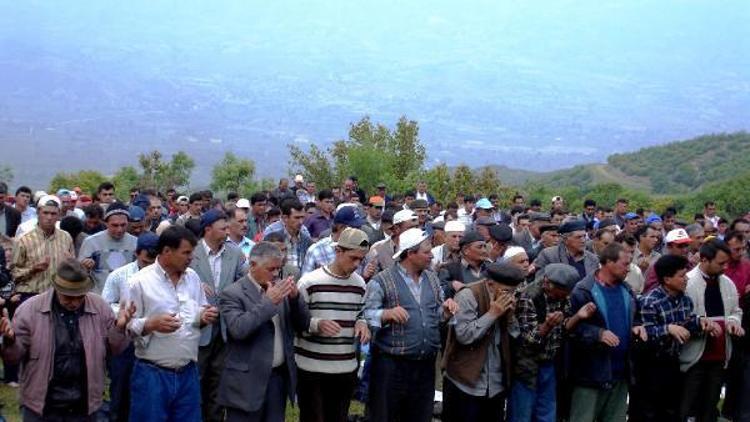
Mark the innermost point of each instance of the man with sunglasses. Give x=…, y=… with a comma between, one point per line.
x=115, y=292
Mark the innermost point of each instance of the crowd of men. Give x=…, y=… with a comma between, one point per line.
x=192, y=308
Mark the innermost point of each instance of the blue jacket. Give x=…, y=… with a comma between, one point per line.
x=590, y=364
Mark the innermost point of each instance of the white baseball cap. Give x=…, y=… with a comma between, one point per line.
x=677, y=236
x=454, y=226
x=243, y=203
x=409, y=239
x=404, y=215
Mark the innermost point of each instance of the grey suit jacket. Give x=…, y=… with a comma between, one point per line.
x=558, y=254
x=233, y=267
x=247, y=313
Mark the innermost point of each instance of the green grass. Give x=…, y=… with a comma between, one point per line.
x=9, y=400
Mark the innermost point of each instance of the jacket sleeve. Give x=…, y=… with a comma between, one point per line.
x=585, y=331
x=241, y=323
x=735, y=312
x=541, y=260
x=117, y=339
x=16, y=352
x=446, y=284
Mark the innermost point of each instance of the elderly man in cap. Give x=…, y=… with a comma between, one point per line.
x=116, y=291
x=62, y=338
x=455, y=275
x=571, y=250
x=37, y=253
x=544, y=316
x=218, y=264
x=326, y=351
x=110, y=249
x=404, y=307
x=382, y=253
x=477, y=360
x=450, y=251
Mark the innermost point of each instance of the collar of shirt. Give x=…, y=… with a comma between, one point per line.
x=244, y=242
x=209, y=252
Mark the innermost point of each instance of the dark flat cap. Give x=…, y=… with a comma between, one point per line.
x=572, y=226
x=440, y=225
x=470, y=236
x=418, y=203
x=539, y=216
x=504, y=273
x=485, y=221
x=548, y=227
x=563, y=275
x=501, y=233
x=210, y=217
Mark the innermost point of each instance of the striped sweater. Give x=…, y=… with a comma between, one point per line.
x=330, y=298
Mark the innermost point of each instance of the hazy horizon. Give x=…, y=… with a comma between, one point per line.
x=535, y=85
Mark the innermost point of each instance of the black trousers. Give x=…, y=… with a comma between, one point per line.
x=324, y=397
x=461, y=407
x=401, y=390
x=658, y=388
x=210, y=365
x=701, y=391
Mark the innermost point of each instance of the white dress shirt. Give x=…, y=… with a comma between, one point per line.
x=154, y=293
x=214, y=261
x=117, y=286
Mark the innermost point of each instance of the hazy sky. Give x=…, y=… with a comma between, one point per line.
x=543, y=84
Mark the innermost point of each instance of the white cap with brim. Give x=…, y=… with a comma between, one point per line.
x=44, y=200
x=409, y=239
x=677, y=236
x=404, y=215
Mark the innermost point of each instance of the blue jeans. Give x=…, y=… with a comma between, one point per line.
x=529, y=404
x=165, y=395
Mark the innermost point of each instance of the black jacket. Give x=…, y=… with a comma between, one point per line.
x=12, y=220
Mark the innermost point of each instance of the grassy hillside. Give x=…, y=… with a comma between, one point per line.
x=672, y=169
x=682, y=167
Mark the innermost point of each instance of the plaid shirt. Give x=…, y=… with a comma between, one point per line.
x=658, y=310
x=320, y=253
x=544, y=348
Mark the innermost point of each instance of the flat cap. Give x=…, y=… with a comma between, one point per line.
x=485, y=221
x=470, y=236
x=572, y=226
x=418, y=203
x=539, y=216
x=563, y=275
x=549, y=227
x=504, y=273
x=501, y=233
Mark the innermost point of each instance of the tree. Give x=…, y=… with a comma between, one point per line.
x=463, y=181
x=487, y=181
x=372, y=152
x=125, y=179
x=6, y=174
x=438, y=181
x=161, y=175
x=87, y=180
x=233, y=174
